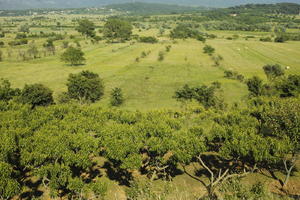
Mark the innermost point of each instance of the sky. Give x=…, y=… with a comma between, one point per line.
x=25, y=4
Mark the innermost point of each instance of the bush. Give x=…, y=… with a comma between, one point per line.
x=149, y=39
x=206, y=95
x=233, y=75
x=2, y=35
x=208, y=50
x=201, y=38
x=20, y=36
x=280, y=39
x=266, y=39
x=168, y=48
x=273, y=71
x=255, y=86
x=161, y=56
x=1, y=43
x=85, y=86
x=6, y=92
x=18, y=42
x=1, y=55
x=73, y=56
x=116, y=97
x=36, y=95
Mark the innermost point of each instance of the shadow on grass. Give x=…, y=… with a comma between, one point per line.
x=34, y=191
x=123, y=177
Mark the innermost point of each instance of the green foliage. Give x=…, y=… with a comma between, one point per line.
x=74, y=56
x=255, y=86
x=289, y=87
x=273, y=71
x=98, y=188
x=117, y=29
x=161, y=56
x=233, y=75
x=85, y=86
x=24, y=28
x=206, y=95
x=266, y=39
x=9, y=187
x=1, y=56
x=86, y=27
x=6, y=92
x=116, y=97
x=148, y=39
x=208, y=50
x=36, y=95
x=183, y=31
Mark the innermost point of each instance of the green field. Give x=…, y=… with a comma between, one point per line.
x=150, y=84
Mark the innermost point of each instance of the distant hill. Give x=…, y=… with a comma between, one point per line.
x=26, y=4
x=152, y=8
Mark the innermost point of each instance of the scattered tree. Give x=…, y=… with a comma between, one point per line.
x=117, y=29
x=85, y=86
x=73, y=56
x=36, y=95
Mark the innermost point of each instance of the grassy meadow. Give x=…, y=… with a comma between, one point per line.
x=149, y=83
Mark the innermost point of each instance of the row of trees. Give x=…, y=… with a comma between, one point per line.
x=85, y=87
x=60, y=144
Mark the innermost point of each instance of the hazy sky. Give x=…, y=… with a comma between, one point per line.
x=22, y=4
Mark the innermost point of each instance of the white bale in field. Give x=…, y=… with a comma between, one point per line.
x=287, y=67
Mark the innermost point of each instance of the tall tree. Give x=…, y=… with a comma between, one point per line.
x=86, y=27
x=117, y=29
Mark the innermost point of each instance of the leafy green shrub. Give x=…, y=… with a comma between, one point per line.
x=73, y=56
x=116, y=98
x=20, y=36
x=273, y=71
x=233, y=75
x=161, y=56
x=18, y=42
x=206, y=95
x=208, y=50
x=168, y=48
x=148, y=39
x=280, y=39
x=265, y=39
x=1, y=44
x=6, y=92
x=36, y=95
x=85, y=86
x=255, y=86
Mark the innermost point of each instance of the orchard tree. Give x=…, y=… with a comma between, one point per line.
x=231, y=149
x=36, y=95
x=86, y=27
x=117, y=29
x=73, y=56
x=85, y=86
x=57, y=152
x=280, y=122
